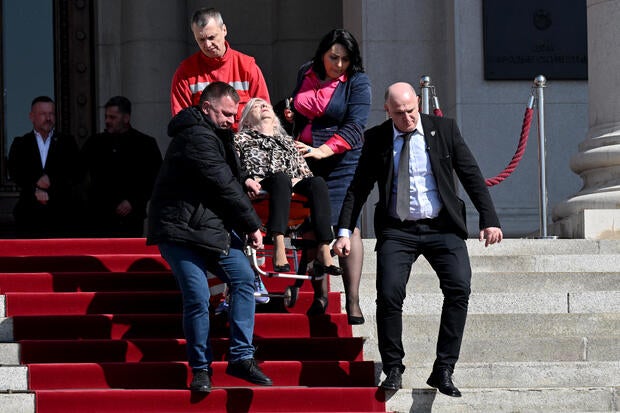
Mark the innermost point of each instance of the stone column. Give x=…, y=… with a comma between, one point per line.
x=153, y=43
x=594, y=212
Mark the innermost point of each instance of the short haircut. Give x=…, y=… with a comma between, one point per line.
x=201, y=17
x=123, y=104
x=346, y=40
x=41, y=99
x=216, y=90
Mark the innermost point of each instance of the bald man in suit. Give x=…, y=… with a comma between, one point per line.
x=428, y=218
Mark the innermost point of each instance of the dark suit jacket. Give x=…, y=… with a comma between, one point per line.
x=120, y=167
x=25, y=169
x=448, y=154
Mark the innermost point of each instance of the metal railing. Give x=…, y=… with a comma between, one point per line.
x=429, y=98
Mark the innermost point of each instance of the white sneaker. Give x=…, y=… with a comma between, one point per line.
x=222, y=307
x=260, y=291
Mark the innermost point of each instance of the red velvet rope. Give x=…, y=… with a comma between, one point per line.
x=516, y=158
x=525, y=132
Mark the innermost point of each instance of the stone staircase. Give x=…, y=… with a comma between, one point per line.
x=543, y=333
x=94, y=325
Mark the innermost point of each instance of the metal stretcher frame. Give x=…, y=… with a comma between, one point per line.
x=298, y=214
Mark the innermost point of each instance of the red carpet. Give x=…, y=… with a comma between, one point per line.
x=99, y=326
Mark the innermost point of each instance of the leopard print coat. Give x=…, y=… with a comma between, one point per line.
x=262, y=155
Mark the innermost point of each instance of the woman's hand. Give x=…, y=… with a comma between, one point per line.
x=253, y=188
x=308, y=151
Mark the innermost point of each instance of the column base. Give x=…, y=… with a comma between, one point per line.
x=589, y=224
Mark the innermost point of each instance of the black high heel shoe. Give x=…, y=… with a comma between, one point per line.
x=318, y=307
x=354, y=320
x=282, y=268
x=319, y=269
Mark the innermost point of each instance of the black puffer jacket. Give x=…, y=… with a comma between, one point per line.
x=199, y=196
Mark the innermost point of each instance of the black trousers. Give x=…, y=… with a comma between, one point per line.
x=314, y=188
x=398, y=246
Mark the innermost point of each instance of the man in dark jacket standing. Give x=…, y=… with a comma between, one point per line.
x=413, y=159
x=122, y=165
x=198, y=216
x=44, y=164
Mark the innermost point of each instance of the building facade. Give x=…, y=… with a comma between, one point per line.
x=132, y=47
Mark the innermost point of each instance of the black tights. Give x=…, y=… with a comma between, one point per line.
x=314, y=188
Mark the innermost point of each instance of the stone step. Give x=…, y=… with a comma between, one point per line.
x=541, y=400
x=507, y=326
x=17, y=402
x=509, y=337
x=528, y=256
x=13, y=378
x=555, y=247
x=467, y=374
x=522, y=263
x=9, y=354
x=526, y=375
x=503, y=282
x=514, y=374
x=525, y=246
x=514, y=349
x=547, y=400
x=511, y=303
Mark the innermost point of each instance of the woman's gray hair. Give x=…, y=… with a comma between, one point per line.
x=245, y=122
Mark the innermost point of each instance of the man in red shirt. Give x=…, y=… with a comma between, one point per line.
x=216, y=61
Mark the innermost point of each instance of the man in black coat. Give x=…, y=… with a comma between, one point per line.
x=199, y=217
x=421, y=214
x=44, y=164
x=122, y=165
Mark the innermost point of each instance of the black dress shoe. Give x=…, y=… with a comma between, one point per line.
x=248, y=370
x=394, y=379
x=201, y=381
x=442, y=380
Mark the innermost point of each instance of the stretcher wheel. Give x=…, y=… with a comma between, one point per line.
x=290, y=296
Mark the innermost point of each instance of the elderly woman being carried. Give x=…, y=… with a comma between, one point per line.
x=274, y=164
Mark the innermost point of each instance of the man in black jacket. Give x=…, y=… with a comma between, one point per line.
x=198, y=216
x=122, y=164
x=44, y=164
x=424, y=216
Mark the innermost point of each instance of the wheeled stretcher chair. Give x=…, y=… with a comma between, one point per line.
x=298, y=240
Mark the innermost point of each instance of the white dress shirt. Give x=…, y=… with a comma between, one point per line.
x=424, y=200
x=44, y=145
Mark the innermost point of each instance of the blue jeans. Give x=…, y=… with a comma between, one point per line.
x=190, y=266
